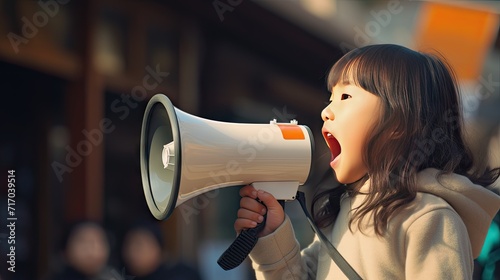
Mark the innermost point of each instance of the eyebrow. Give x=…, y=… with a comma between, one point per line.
x=342, y=84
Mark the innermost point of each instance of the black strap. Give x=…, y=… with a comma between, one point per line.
x=332, y=251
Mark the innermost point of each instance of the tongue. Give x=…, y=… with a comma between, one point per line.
x=334, y=148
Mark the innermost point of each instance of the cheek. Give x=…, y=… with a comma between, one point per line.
x=356, y=140
x=355, y=156
x=354, y=151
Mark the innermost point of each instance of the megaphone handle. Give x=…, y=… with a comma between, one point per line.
x=242, y=245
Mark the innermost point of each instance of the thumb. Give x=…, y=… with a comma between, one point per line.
x=275, y=212
x=269, y=201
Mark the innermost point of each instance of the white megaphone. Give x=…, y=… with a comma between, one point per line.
x=183, y=156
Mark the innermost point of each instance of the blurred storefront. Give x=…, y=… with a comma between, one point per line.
x=77, y=75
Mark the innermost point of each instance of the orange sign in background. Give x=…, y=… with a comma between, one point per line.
x=461, y=34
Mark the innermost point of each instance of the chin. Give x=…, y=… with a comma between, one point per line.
x=347, y=178
x=340, y=177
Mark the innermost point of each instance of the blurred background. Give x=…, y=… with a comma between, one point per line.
x=76, y=77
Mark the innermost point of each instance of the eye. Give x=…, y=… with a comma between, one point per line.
x=345, y=96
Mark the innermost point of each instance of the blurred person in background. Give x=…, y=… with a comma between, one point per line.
x=143, y=256
x=85, y=250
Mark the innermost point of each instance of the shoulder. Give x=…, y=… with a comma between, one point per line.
x=425, y=202
x=426, y=207
x=430, y=222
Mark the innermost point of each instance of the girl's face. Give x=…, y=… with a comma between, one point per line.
x=348, y=118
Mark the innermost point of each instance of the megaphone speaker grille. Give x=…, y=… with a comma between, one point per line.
x=160, y=156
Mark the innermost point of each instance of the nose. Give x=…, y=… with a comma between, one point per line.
x=327, y=114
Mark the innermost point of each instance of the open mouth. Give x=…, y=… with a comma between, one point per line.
x=333, y=144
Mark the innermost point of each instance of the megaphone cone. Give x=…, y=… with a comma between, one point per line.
x=183, y=156
x=160, y=127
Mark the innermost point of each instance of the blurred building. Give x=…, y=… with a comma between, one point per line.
x=76, y=77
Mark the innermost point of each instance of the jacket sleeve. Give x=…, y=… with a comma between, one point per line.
x=438, y=247
x=278, y=256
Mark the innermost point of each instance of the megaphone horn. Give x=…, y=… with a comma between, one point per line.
x=183, y=156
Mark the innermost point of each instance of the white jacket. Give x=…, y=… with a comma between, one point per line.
x=436, y=236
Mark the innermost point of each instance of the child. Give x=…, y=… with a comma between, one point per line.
x=143, y=251
x=411, y=205
x=86, y=252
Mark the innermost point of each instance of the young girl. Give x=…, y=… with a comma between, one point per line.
x=411, y=205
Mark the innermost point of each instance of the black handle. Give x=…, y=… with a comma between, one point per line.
x=242, y=245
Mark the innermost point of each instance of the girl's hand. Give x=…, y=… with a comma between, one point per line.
x=252, y=211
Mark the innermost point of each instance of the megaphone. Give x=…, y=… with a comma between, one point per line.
x=183, y=156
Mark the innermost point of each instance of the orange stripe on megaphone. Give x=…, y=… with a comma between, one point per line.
x=291, y=132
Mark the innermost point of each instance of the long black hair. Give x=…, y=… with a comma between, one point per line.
x=420, y=126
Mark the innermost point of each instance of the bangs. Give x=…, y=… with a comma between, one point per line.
x=368, y=68
x=343, y=72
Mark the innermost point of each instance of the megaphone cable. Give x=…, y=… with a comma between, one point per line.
x=344, y=266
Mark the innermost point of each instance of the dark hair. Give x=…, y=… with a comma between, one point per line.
x=420, y=126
